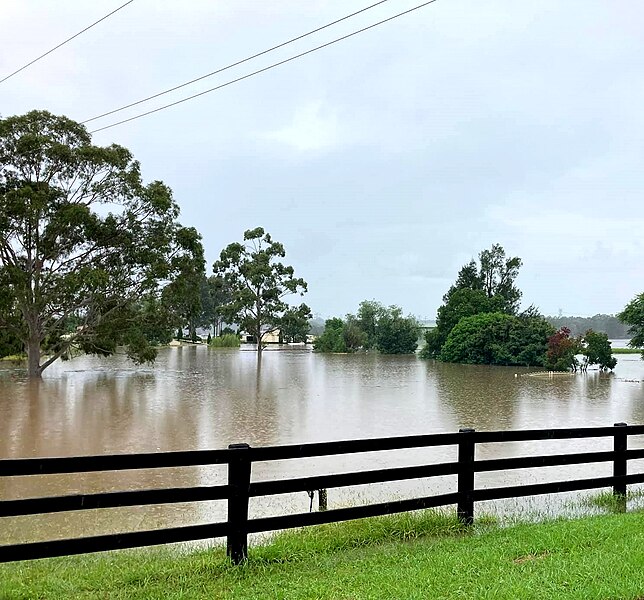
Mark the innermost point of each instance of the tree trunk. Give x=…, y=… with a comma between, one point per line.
x=33, y=357
x=258, y=337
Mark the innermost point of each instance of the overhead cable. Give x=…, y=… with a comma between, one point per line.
x=235, y=64
x=67, y=40
x=277, y=64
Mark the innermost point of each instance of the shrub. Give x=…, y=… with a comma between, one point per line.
x=228, y=340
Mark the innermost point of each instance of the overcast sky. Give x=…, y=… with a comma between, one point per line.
x=386, y=161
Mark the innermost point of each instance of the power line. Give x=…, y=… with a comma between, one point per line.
x=67, y=40
x=235, y=64
x=277, y=64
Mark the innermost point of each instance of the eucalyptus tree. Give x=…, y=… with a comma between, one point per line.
x=85, y=246
x=633, y=316
x=259, y=284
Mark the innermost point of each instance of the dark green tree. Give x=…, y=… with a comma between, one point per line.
x=597, y=351
x=460, y=303
x=9, y=344
x=259, y=284
x=479, y=339
x=294, y=325
x=528, y=339
x=396, y=334
x=332, y=338
x=366, y=319
x=633, y=316
x=376, y=327
x=82, y=240
x=182, y=296
x=498, y=339
x=498, y=274
x=216, y=292
x=488, y=286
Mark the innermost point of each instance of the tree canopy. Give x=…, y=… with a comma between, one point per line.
x=633, y=316
x=259, y=284
x=374, y=327
x=597, y=351
x=497, y=339
x=82, y=241
x=484, y=287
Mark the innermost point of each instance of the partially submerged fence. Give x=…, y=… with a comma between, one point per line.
x=240, y=488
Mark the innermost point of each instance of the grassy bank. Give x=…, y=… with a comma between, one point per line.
x=627, y=350
x=407, y=556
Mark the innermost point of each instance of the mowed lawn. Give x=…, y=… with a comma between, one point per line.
x=422, y=555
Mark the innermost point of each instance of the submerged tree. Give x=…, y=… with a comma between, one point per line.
x=498, y=339
x=597, y=351
x=484, y=287
x=83, y=242
x=562, y=351
x=375, y=327
x=259, y=284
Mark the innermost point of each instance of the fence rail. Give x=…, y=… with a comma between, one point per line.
x=239, y=488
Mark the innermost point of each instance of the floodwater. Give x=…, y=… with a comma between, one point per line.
x=200, y=398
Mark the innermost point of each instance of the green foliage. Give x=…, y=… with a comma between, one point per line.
x=597, y=351
x=562, y=351
x=215, y=292
x=182, y=297
x=459, y=303
x=483, y=287
x=294, y=325
x=258, y=282
x=633, y=316
x=332, y=339
x=396, y=334
x=367, y=319
x=82, y=241
x=498, y=274
x=374, y=327
x=497, y=339
x=228, y=340
x=10, y=345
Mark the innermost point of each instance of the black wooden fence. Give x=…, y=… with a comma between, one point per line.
x=240, y=488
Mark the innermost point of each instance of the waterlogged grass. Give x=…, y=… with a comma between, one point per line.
x=228, y=340
x=610, y=503
x=627, y=350
x=427, y=555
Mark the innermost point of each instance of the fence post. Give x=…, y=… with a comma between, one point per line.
x=323, y=500
x=620, y=444
x=465, y=507
x=239, y=483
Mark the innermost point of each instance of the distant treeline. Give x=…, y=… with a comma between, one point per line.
x=608, y=324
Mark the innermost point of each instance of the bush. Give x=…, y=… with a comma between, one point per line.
x=228, y=340
x=498, y=339
x=332, y=339
x=396, y=334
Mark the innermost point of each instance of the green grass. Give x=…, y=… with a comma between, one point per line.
x=627, y=350
x=426, y=555
x=229, y=340
x=14, y=357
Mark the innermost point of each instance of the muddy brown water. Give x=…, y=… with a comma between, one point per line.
x=198, y=398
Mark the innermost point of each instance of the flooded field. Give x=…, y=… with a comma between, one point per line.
x=197, y=398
